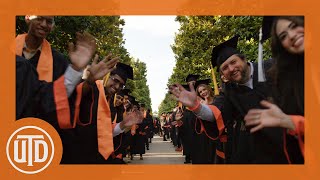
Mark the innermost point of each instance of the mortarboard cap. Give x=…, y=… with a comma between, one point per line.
x=135, y=103
x=131, y=99
x=192, y=77
x=203, y=81
x=124, y=71
x=223, y=51
x=124, y=92
x=186, y=86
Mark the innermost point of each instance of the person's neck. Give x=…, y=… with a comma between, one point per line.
x=209, y=99
x=33, y=42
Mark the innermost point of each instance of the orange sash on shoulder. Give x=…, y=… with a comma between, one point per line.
x=45, y=63
x=104, y=126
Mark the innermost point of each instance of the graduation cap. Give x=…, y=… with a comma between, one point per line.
x=223, y=51
x=135, y=103
x=203, y=81
x=124, y=92
x=131, y=99
x=192, y=77
x=186, y=86
x=220, y=54
x=124, y=71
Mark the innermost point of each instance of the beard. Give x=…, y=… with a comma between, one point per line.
x=244, y=76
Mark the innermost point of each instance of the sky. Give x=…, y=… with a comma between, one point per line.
x=148, y=38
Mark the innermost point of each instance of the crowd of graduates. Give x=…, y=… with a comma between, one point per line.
x=96, y=118
x=257, y=116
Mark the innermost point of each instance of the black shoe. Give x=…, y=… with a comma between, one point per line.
x=187, y=162
x=147, y=148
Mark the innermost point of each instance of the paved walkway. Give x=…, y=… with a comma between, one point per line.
x=161, y=152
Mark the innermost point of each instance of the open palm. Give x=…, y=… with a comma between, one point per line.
x=81, y=53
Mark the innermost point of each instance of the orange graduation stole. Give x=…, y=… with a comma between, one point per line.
x=104, y=126
x=45, y=63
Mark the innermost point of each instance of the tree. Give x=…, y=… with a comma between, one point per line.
x=141, y=90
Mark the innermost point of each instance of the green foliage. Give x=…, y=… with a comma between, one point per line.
x=141, y=89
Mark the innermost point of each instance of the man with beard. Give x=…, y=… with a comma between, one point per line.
x=242, y=93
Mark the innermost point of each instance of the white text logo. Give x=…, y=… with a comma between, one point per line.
x=30, y=151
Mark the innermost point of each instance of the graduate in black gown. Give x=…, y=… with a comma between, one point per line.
x=203, y=134
x=28, y=86
x=139, y=138
x=118, y=108
x=242, y=93
x=185, y=131
x=94, y=112
x=53, y=67
x=147, y=121
x=288, y=80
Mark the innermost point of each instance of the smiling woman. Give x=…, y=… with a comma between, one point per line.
x=291, y=35
x=288, y=79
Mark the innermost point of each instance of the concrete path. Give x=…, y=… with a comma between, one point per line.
x=161, y=152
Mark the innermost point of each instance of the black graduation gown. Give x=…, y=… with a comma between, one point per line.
x=42, y=105
x=265, y=146
x=151, y=125
x=173, y=132
x=211, y=135
x=37, y=98
x=27, y=87
x=84, y=146
x=166, y=128
x=203, y=148
x=119, y=140
x=156, y=126
x=148, y=122
x=186, y=134
x=138, y=140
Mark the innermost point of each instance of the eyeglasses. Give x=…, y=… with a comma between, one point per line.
x=117, y=81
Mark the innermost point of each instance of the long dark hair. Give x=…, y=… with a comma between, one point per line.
x=287, y=72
